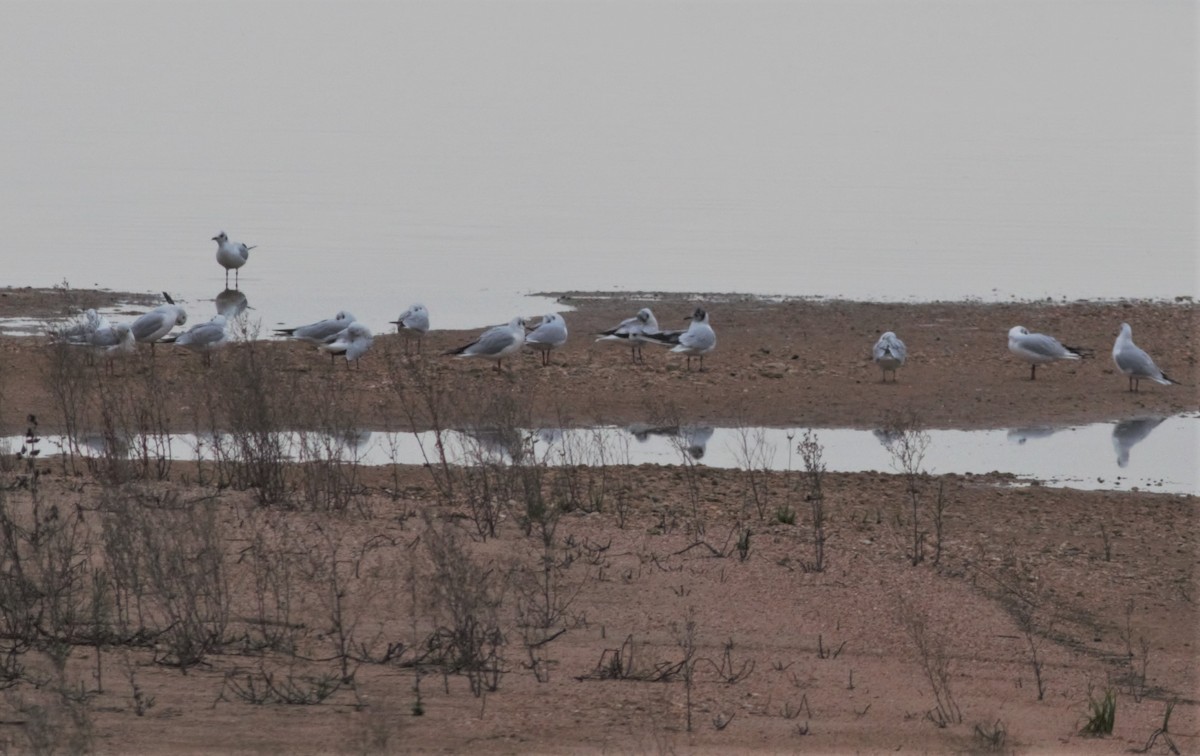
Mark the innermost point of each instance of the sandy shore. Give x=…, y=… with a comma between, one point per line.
x=1024, y=603
x=792, y=363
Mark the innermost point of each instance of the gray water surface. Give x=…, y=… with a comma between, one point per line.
x=1152, y=454
x=464, y=154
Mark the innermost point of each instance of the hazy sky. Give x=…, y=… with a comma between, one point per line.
x=451, y=151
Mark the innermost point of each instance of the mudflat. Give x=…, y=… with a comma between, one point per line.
x=265, y=604
x=786, y=363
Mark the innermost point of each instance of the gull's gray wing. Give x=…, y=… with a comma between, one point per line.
x=553, y=333
x=698, y=339
x=202, y=335
x=146, y=326
x=624, y=328
x=491, y=343
x=1131, y=359
x=880, y=351
x=321, y=330
x=1043, y=346
x=892, y=347
x=104, y=337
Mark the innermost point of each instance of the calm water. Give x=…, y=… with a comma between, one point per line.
x=1152, y=454
x=464, y=154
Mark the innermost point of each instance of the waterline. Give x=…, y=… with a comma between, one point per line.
x=1152, y=453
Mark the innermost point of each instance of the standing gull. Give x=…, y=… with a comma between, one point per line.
x=110, y=343
x=156, y=324
x=231, y=255
x=632, y=331
x=1135, y=363
x=889, y=354
x=414, y=320
x=318, y=332
x=698, y=340
x=353, y=342
x=496, y=343
x=550, y=334
x=1039, y=349
x=203, y=338
x=82, y=328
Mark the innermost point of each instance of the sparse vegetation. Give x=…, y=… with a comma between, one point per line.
x=908, y=445
x=521, y=564
x=812, y=456
x=1101, y=715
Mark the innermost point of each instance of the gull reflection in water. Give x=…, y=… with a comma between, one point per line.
x=231, y=303
x=104, y=445
x=357, y=439
x=1127, y=433
x=886, y=437
x=492, y=445
x=692, y=439
x=1021, y=435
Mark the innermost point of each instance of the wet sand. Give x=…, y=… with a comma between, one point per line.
x=790, y=363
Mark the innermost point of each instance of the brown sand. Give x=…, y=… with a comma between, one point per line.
x=795, y=363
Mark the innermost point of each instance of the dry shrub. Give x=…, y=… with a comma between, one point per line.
x=464, y=596
x=166, y=563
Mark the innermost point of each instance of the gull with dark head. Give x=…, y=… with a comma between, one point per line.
x=496, y=343
x=1039, y=349
x=889, y=354
x=231, y=255
x=1135, y=363
x=698, y=340
x=550, y=334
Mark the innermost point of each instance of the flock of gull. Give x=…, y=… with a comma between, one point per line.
x=1041, y=349
x=344, y=335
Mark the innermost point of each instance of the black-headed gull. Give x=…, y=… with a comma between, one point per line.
x=203, y=338
x=698, y=340
x=496, y=343
x=1134, y=362
x=319, y=332
x=414, y=320
x=550, y=334
x=889, y=354
x=110, y=343
x=632, y=332
x=1039, y=349
x=82, y=328
x=353, y=342
x=156, y=324
x=231, y=255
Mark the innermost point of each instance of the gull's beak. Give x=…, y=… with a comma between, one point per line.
x=215, y=238
x=252, y=246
